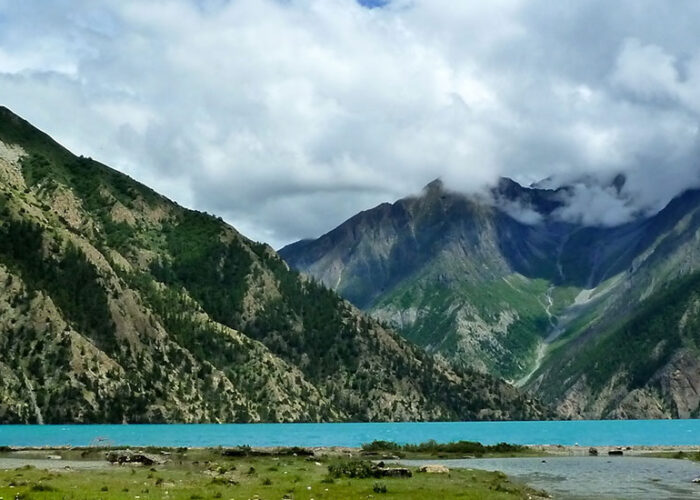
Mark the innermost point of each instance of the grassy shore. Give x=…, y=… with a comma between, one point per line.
x=679, y=455
x=252, y=474
x=273, y=473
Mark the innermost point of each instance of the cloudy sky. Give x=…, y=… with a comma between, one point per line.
x=287, y=116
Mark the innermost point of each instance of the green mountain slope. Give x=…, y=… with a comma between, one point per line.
x=645, y=366
x=635, y=329
x=460, y=276
x=118, y=305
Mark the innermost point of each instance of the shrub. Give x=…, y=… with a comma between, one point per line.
x=458, y=447
x=42, y=487
x=379, y=488
x=381, y=446
x=358, y=469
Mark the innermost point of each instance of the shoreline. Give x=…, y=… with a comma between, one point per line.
x=501, y=471
x=629, y=450
x=550, y=449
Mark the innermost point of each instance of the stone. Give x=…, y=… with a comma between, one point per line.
x=393, y=472
x=130, y=457
x=434, y=469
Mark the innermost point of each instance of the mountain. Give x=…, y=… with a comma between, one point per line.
x=453, y=273
x=504, y=285
x=646, y=365
x=117, y=305
x=628, y=346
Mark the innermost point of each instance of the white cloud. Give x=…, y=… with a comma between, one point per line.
x=646, y=70
x=596, y=205
x=287, y=116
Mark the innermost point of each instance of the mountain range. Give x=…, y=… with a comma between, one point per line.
x=118, y=305
x=597, y=321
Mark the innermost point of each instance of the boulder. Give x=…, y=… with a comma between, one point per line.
x=434, y=469
x=393, y=472
x=593, y=451
x=131, y=457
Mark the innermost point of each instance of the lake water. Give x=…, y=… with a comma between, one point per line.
x=584, y=433
x=632, y=478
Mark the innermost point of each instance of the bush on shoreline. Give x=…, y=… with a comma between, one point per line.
x=461, y=447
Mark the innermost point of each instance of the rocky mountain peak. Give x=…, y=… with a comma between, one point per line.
x=434, y=188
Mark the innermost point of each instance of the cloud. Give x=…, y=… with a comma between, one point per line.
x=521, y=212
x=650, y=73
x=288, y=116
x=646, y=70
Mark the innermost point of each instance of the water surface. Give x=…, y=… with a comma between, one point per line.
x=582, y=432
x=584, y=478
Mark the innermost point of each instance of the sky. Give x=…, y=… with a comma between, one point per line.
x=286, y=117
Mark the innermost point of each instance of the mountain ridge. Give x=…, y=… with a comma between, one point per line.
x=118, y=305
x=502, y=295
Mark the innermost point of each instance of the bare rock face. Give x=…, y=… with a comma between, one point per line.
x=642, y=403
x=673, y=392
x=680, y=381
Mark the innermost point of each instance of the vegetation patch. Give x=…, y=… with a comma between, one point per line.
x=65, y=275
x=433, y=448
x=640, y=345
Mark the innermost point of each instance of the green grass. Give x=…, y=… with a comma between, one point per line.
x=207, y=475
x=678, y=455
x=437, y=323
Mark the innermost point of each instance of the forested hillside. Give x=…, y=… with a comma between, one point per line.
x=646, y=365
x=117, y=305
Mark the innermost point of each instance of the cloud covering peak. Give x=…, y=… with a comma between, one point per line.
x=287, y=116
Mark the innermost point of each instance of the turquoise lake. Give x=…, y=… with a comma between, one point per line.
x=582, y=432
